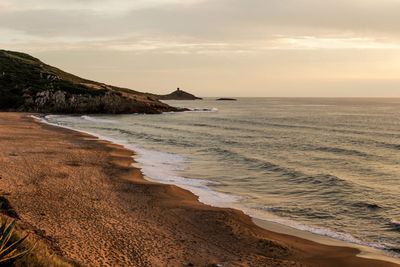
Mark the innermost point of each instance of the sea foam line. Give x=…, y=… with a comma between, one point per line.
x=195, y=110
x=161, y=167
x=97, y=120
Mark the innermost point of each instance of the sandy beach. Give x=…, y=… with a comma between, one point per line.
x=83, y=198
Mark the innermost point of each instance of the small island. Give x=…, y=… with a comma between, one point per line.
x=226, y=99
x=179, y=94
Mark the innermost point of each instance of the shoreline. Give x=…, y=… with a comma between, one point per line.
x=366, y=251
x=236, y=238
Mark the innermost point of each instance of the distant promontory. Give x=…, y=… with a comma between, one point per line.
x=29, y=85
x=179, y=94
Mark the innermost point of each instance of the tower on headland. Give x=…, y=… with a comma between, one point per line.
x=179, y=94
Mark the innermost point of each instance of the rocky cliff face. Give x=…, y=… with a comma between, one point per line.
x=111, y=103
x=27, y=84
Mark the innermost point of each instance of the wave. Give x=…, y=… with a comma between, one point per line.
x=393, y=225
x=390, y=145
x=302, y=211
x=48, y=116
x=367, y=205
x=164, y=168
x=238, y=130
x=296, y=126
x=327, y=181
x=342, y=151
x=158, y=139
x=264, y=213
x=192, y=110
x=97, y=120
x=202, y=110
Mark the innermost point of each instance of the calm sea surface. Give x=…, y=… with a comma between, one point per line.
x=329, y=166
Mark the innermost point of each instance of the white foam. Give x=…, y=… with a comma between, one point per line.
x=202, y=110
x=97, y=120
x=262, y=214
x=194, y=110
x=51, y=116
x=165, y=167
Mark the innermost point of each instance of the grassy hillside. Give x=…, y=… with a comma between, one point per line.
x=27, y=84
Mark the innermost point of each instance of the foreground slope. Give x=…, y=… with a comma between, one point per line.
x=27, y=84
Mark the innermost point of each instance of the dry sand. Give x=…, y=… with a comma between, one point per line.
x=85, y=200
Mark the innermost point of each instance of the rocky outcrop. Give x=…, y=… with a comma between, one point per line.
x=110, y=102
x=179, y=95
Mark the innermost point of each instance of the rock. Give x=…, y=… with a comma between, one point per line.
x=226, y=99
x=179, y=94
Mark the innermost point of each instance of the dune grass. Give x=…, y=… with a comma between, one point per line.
x=10, y=246
x=22, y=250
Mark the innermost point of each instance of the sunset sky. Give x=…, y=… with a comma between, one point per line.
x=216, y=47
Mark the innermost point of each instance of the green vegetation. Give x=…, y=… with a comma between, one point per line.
x=27, y=84
x=40, y=256
x=19, y=250
x=22, y=75
x=8, y=247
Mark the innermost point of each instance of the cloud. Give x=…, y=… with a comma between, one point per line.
x=216, y=19
x=209, y=44
x=106, y=6
x=311, y=42
x=199, y=26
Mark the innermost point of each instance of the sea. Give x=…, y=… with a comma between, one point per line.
x=330, y=166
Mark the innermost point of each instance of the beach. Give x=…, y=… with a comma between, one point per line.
x=83, y=198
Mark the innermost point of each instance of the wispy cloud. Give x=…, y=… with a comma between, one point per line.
x=142, y=44
x=104, y=6
x=334, y=43
x=216, y=19
x=274, y=37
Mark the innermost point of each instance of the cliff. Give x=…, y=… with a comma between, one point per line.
x=29, y=85
x=179, y=95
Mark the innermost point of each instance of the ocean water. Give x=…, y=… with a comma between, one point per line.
x=328, y=166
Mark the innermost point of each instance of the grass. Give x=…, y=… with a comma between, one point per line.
x=23, y=78
x=27, y=250
x=22, y=75
x=10, y=246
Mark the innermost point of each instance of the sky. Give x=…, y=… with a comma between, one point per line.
x=270, y=48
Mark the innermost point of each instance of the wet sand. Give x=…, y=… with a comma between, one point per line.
x=83, y=198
